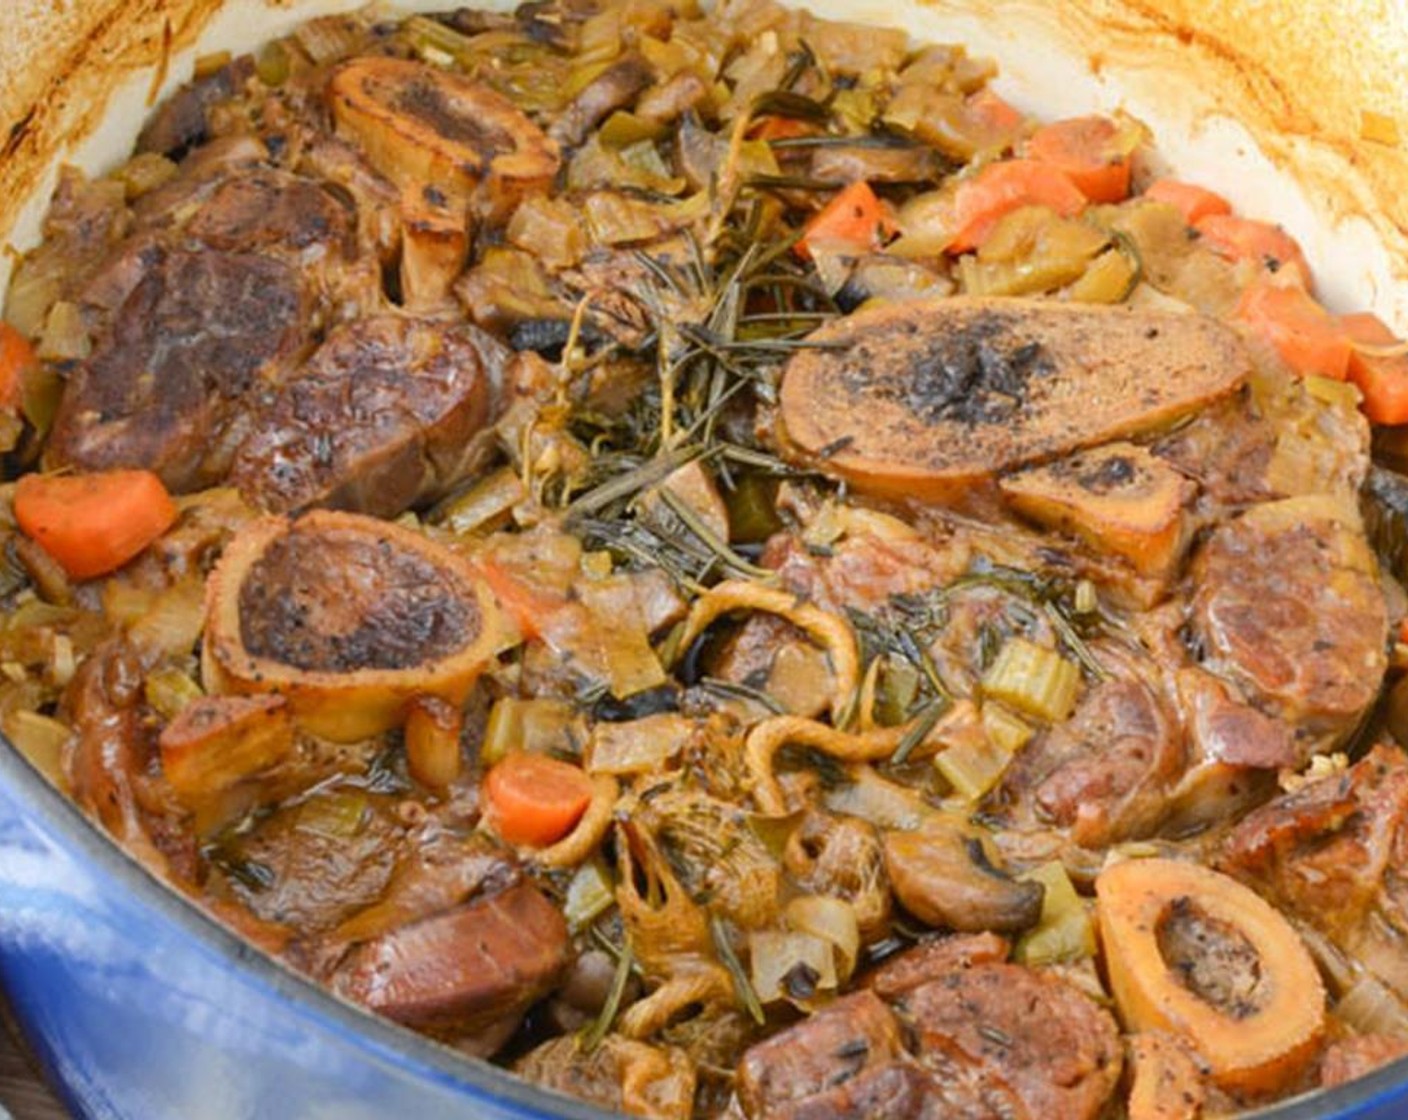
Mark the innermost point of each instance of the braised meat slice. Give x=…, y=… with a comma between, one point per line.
x=1289, y=608
x=165, y=384
x=383, y=416
x=933, y=959
x=1105, y=773
x=1359, y=1055
x=180, y=121
x=1026, y=1036
x=928, y=400
x=312, y=864
x=853, y=1034
x=266, y=210
x=1330, y=853
x=465, y=969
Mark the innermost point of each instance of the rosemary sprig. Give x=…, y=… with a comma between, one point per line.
x=742, y=986
x=592, y=1036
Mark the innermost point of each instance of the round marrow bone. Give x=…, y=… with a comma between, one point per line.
x=928, y=399
x=421, y=125
x=347, y=617
x=1195, y=953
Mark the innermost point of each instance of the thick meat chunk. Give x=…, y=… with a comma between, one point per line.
x=1352, y=1058
x=460, y=971
x=1331, y=852
x=163, y=389
x=295, y=869
x=933, y=959
x=181, y=120
x=855, y=1033
x=1020, y=1032
x=1290, y=609
x=1105, y=772
x=383, y=416
x=270, y=211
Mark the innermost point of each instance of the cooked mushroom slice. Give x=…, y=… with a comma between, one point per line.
x=1117, y=498
x=942, y=875
x=384, y=415
x=929, y=399
x=1195, y=953
x=422, y=125
x=347, y=617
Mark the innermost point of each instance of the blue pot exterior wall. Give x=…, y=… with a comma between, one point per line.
x=139, y=1008
x=138, y=1011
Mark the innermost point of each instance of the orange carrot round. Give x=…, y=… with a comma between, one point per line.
x=535, y=800
x=982, y=201
x=1095, y=153
x=16, y=356
x=851, y=220
x=1309, y=339
x=92, y=524
x=1248, y=239
x=1381, y=377
x=1193, y=202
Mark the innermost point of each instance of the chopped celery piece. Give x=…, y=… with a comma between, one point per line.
x=899, y=687
x=338, y=815
x=1109, y=278
x=1064, y=932
x=973, y=768
x=1004, y=730
x=1033, y=679
x=540, y=726
x=589, y=895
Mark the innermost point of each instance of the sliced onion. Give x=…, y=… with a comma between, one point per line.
x=1370, y=1007
x=638, y=746
x=831, y=919
x=790, y=966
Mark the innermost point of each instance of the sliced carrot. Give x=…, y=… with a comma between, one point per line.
x=998, y=189
x=987, y=109
x=1095, y=153
x=1194, y=202
x=851, y=220
x=535, y=800
x=1382, y=378
x=16, y=357
x=1248, y=239
x=528, y=606
x=1309, y=339
x=92, y=524
x=778, y=128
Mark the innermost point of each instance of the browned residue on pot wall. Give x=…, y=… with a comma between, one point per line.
x=1301, y=74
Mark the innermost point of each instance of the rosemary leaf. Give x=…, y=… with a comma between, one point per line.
x=742, y=986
